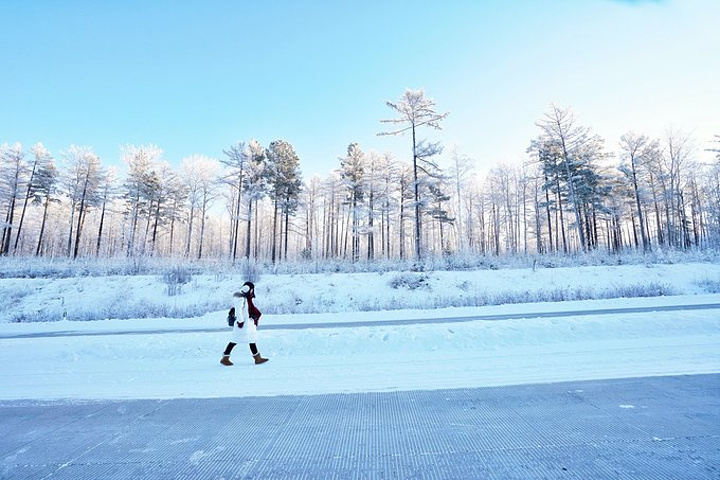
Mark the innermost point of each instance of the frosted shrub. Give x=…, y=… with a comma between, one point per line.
x=653, y=289
x=174, y=280
x=410, y=281
x=710, y=286
x=250, y=271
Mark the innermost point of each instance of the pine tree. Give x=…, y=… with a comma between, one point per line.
x=416, y=111
x=572, y=153
x=44, y=191
x=139, y=186
x=285, y=182
x=352, y=172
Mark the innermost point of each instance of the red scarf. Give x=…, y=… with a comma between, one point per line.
x=253, y=311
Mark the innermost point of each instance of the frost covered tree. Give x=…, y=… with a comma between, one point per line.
x=254, y=186
x=40, y=157
x=332, y=192
x=570, y=153
x=200, y=177
x=310, y=205
x=712, y=194
x=676, y=155
x=636, y=151
x=44, y=191
x=405, y=194
x=388, y=179
x=375, y=164
x=559, y=128
x=177, y=200
x=108, y=191
x=161, y=206
x=82, y=182
x=352, y=173
x=414, y=111
x=237, y=158
x=460, y=172
x=139, y=187
x=438, y=212
x=285, y=184
x=13, y=171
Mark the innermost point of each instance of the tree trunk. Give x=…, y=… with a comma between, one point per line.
x=237, y=221
x=549, y=217
x=274, y=231
x=100, y=228
x=418, y=217
x=42, y=225
x=155, y=228
x=203, y=211
x=638, y=205
x=248, y=229
x=287, y=229
x=189, y=234
x=8, y=229
x=24, y=208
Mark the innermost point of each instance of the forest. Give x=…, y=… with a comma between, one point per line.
x=571, y=193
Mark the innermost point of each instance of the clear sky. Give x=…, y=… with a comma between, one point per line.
x=196, y=76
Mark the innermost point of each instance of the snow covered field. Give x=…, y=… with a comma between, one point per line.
x=315, y=353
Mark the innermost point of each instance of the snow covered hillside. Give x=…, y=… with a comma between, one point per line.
x=313, y=347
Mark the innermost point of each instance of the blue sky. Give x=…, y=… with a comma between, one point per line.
x=198, y=76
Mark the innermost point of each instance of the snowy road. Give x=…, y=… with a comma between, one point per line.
x=456, y=396
x=382, y=322
x=643, y=428
x=378, y=356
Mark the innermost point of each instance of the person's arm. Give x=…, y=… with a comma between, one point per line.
x=241, y=309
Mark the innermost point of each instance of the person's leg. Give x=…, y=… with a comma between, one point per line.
x=225, y=360
x=251, y=337
x=256, y=355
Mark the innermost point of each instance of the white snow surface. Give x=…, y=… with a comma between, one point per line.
x=179, y=357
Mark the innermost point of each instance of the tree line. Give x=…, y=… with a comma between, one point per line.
x=569, y=194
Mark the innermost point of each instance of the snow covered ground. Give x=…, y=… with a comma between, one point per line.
x=314, y=353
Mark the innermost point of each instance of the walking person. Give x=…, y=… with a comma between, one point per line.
x=245, y=323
